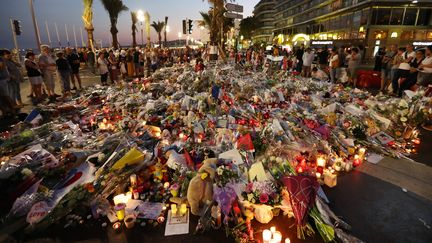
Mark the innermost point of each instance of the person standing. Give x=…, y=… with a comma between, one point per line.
x=299, y=56
x=113, y=66
x=136, y=60
x=424, y=77
x=74, y=62
x=378, y=59
x=102, y=64
x=4, y=76
x=130, y=63
x=323, y=56
x=48, y=67
x=387, y=67
x=64, y=71
x=404, y=67
x=34, y=75
x=308, y=57
x=91, y=60
x=353, y=65
x=15, y=78
x=334, y=65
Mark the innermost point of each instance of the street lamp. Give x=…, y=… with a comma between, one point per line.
x=140, y=17
x=179, y=35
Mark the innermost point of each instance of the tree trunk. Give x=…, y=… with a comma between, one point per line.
x=160, y=39
x=134, y=43
x=90, y=39
x=114, y=32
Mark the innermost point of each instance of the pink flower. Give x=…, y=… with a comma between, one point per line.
x=249, y=187
x=263, y=198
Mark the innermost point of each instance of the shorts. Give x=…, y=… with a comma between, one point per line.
x=352, y=72
x=49, y=80
x=36, y=80
x=386, y=73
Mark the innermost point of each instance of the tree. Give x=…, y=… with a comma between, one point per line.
x=219, y=23
x=158, y=27
x=87, y=18
x=134, y=28
x=248, y=26
x=114, y=8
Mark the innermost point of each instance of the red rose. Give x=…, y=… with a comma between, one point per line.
x=263, y=198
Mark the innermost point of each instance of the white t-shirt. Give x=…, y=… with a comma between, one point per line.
x=406, y=55
x=103, y=67
x=308, y=58
x=427, y=61
x=333, y=59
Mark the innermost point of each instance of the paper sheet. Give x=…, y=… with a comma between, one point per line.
x=177, y=225
x=257, y=171
x=233, y=155
x=149, y=210
x=374, y=158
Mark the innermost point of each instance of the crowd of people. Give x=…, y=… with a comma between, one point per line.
x=404, y=68
x=401, y=67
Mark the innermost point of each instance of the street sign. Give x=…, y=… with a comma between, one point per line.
x=234, y=7
x=233, y=15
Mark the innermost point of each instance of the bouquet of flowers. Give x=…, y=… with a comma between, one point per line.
x=263, y=192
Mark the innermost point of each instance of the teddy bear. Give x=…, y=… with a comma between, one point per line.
x=200, y=188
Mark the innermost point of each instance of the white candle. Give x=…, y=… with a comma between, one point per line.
x=287, y=240
x=267, y=234
x=181, y=135
x=277, y=236
x=133, y=180
x=273, y=229
x=321, y=162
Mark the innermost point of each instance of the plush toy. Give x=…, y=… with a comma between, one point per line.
x=200, y=188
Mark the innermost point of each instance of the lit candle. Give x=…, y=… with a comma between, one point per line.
x=116, y=226
x=362, y=152
x=267, y=234
x=321, y=162
x=129, y=221
x=173, y=209
x=119, y=199
x=199, y=140
x=144, y=123
x=166, y=185
x=181, y=135
x=273, y=229
x=183, y=209
x=120, y=210
x=287, y=240
x=277, y=236
x=158, y=134
x=318, y=175
x=133, y=180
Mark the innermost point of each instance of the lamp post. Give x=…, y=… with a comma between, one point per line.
x=140, y=16
x=35, y=25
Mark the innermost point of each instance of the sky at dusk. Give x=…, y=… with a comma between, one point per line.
x=69, y=12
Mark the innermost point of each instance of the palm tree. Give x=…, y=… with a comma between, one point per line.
x=87, y=18
x=114, y=8
x=158, y=27
x=134, y=28
x=219, y=23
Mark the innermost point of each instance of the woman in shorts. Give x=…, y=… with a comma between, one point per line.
x=34, y=74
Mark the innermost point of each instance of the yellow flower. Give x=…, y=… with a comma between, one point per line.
x=203, y=176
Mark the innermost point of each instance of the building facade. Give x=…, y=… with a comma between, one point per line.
x=264, y=12
x=366, y=23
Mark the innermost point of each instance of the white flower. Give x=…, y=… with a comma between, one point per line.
x=250, y=196
x=279, y=160
x=219, y=170
x=403, y=119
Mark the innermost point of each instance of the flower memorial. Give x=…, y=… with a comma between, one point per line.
x=228, y=146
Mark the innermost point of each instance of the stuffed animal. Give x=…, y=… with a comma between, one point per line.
x=200, y=188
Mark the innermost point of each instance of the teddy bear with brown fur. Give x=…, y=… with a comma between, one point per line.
x=200, y=188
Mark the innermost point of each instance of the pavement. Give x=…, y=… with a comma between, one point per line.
x=386, y=202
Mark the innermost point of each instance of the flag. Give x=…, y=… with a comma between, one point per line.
x=34, y=117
